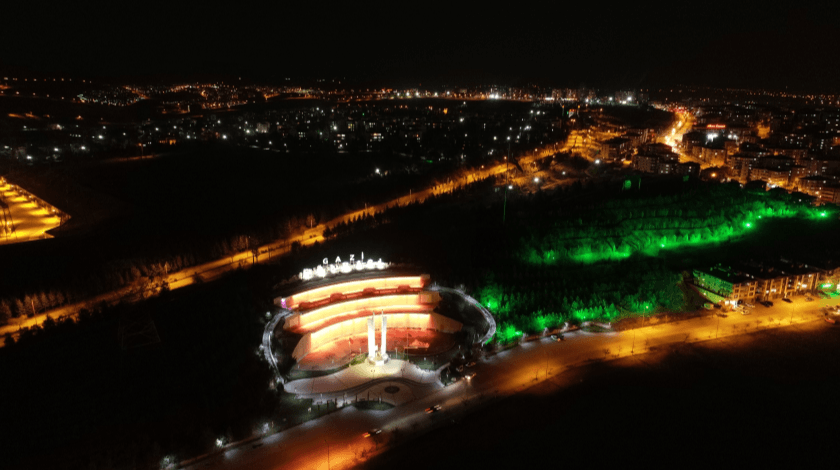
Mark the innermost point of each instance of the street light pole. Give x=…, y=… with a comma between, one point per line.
x=507, y=163
x=328, y=453
x=504, y=206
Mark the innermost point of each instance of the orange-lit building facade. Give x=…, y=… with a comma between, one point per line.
x=339, y=311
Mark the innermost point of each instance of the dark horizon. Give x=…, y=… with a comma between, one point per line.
x=728, y=46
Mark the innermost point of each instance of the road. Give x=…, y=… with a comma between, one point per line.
x=213, y=269
x=498, y=376
x=685, y=123
x=674, y=139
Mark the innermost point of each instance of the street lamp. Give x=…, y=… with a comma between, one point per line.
x=507, y=163
x=328, y=453
x=504, y=205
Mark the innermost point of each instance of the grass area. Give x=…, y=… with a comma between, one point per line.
x=372, y=405
x=435, y=361
x=296, y=374
x=290, y=411
x=99, y=405
x=595, y=329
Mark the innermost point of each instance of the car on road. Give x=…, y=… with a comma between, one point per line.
x=372, y=432
x=809, y=299
x=433, y=409
x=746, y=311
x=766, y=303
x=785, y=299
x=471, y=363
x=558, y=338
x=460, y=368
x=470, y=375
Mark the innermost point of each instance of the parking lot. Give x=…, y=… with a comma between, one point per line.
x=22, y=220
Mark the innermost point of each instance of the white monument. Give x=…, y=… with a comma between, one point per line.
x=371, y=339
x=377, y=355
x=382, y=349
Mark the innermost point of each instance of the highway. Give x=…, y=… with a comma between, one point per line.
x=213, y=269
x=34, y=224
x=498, y=375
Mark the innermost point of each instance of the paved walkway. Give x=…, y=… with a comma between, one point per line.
x=363, y=380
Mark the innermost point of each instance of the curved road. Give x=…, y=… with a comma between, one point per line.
x=266, y=340
x=500, y=375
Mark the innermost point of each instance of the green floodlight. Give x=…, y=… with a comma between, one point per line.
x=822, y=214
x=662, y=245
x=826, y=285
x=748, y=224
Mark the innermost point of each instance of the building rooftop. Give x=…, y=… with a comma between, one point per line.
x=726, y=273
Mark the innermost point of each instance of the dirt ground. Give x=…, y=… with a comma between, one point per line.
x=763, y=398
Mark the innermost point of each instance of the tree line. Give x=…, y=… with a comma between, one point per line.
x=506, y=267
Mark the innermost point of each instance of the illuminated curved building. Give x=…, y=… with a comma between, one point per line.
x=331, y=316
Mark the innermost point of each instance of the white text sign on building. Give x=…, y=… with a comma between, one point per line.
x=352, y=264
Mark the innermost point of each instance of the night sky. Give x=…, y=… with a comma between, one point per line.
x=633, y=45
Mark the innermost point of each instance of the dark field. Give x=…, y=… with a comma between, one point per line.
x=764, y=398
x=74, y=398
x=199, y=204
x=796, y=239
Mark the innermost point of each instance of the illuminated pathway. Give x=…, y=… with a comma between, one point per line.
x=266, y=340
x=359, y=379
x=500, y=375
